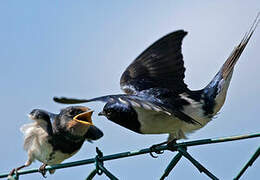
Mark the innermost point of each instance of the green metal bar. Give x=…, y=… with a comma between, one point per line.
x=57, y=166
x=92, y=175
x=217, y=140
x=249, y=163
x=196, y=163
x=135, y=153
x=172, y=164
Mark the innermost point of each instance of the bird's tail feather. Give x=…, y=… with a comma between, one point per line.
x=226, y=70
x=228, y=66
x=215, y=91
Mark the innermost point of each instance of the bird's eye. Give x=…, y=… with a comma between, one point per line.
x=38, y=116
x=75, y=112
x=72, y=112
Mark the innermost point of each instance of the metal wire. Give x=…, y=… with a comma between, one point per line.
x=180, y=147
x=249, y=163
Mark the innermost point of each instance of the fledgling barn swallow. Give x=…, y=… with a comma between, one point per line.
x=53, y=142
x=157, y=100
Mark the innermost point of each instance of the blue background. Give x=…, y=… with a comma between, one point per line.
x=80, y=49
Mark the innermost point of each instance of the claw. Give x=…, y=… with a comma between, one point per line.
x=15, y=171
x=42, y=170
x=153, y=149
x=171, y=144
x=153, y=156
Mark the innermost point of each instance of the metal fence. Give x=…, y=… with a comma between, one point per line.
x=180, y=148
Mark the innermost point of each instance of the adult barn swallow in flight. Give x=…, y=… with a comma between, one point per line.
x=157, y=100
x=52, y=143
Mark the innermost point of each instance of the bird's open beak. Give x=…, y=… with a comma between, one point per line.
x=102, y=113
x=85, y=117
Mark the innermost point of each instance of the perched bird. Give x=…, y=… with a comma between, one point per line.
x=157, y=100
x=53, y=142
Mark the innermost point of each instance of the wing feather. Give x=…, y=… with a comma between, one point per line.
x=159, y=66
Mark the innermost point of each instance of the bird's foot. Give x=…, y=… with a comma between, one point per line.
x=10, y=175
x=42, y=170
x=170, y=145
x=154, y=149
x=15, y=171
x=12, y=172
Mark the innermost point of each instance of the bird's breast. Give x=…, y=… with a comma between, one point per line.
x=38, y=146
x=56, y=157
x=152, y=122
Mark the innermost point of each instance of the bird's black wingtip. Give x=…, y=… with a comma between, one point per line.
x=64, y=100
x=55, y=99
x=59, y=99
x=180, y=32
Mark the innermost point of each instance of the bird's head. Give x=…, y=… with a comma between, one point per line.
x=122, y=114
x=111, y=111
x=117, y=111
x=75, y=120
x=39, y=116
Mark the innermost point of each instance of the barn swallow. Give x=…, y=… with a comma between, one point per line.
x=157, y=100
x=53, y=142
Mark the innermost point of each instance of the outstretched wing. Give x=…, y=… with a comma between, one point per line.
x=65, y=100
x=134, y=101
x=161, y=65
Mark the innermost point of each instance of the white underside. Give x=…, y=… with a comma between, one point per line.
x=159, y=123
x=37, y=146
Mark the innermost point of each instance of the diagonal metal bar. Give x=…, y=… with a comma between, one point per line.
x=199, y=166
x=140, y=152
x=172, y=164
x=92, y=175
x=249, y=163
x=107, y=173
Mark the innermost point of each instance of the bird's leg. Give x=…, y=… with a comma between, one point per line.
x=15, y=170
x=42, y=170
x=153, y=148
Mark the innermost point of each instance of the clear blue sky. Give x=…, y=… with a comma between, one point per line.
x=80, y=49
